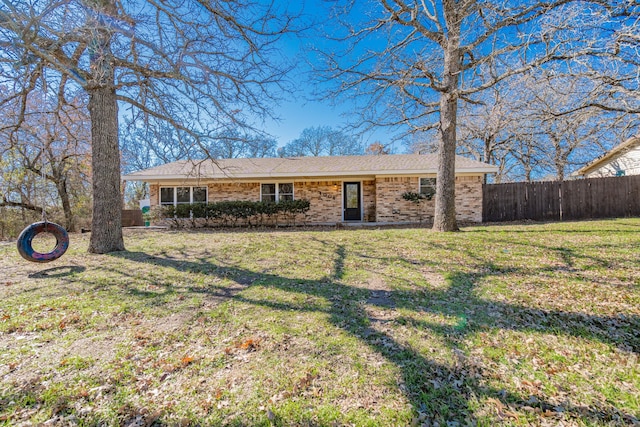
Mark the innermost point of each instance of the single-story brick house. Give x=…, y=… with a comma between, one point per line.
x=341, y=188
x=621, y=160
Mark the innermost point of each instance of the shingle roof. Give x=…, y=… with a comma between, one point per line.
x=396, y=164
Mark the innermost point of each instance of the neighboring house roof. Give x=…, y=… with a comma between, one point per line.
x=618, y=150
x=305, y=167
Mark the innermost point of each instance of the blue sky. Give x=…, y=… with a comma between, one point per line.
x=304, y=109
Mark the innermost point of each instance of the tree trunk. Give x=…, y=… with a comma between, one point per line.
x=61, y=185
x=106, y=224
x=106, y=227
x=487, y=155
x=445, y=209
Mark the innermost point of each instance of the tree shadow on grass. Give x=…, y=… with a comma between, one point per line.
x=443, y=392
x=57, y=272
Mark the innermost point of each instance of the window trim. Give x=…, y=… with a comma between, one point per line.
x=175, y=194
x=277, y=194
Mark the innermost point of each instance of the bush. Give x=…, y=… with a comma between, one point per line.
x=236, y=213
x=417, y=198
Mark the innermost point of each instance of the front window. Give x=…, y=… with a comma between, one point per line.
x=167, y=196
x=285, y=192
x=276, y=192
x=182, y=195
x=199, y=195
x=427, y=187
x=268, y=192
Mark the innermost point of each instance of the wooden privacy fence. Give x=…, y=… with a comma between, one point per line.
x=132, y=218
x=566, y=200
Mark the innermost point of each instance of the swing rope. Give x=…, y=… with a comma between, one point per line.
x=44, y=180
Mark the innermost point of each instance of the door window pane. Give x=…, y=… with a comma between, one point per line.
x=199, y=194
x=352, y=196
x=166, y=196
x=183, y=195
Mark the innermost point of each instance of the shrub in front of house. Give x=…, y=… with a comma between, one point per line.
x=237, y=213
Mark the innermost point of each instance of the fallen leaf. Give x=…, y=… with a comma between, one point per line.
x=249, y=345
x=496, y=402
x=510, y=414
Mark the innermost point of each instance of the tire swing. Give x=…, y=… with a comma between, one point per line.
x=25, y=239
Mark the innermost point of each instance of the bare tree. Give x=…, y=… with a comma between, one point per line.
x=439, y=52
x=377, y=149
x=613, y=61
x=323, y=141
x=486, y=129
x=565, y=140
x=52, y=145
x=549, y=135
x=201, y=66
x=234, y=144
x=530, y=127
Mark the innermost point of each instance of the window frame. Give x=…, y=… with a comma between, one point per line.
x=175, y=194
x=277, y=191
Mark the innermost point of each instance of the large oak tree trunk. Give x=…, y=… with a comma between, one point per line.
x=106, y=227
x=106, y=224
x=445, y=210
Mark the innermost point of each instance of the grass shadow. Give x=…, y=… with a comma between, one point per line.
x=58, y=272
x=445, y=392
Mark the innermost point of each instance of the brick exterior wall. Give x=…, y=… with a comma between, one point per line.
x=154, y=195
x=369, y=200
x=382, y=199
x=325, y=198
x=391, y=207
x=469, y=198
x=228, y=191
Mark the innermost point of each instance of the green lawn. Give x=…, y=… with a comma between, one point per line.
x=535, y=324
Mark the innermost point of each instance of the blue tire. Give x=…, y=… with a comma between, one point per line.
x=26, y=238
